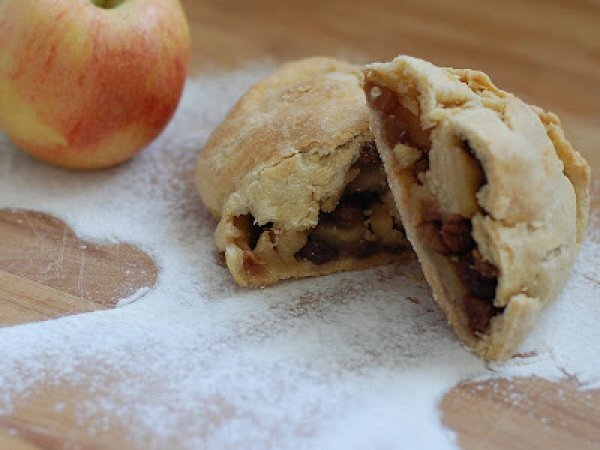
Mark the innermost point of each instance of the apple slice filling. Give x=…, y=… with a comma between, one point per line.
x=364, y=222
x=446, y=183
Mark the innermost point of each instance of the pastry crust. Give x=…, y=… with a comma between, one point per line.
x=488, y=158
x=281, y=158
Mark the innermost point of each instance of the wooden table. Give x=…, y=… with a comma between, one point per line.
x=548, y=52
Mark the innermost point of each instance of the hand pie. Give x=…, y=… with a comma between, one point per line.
x=492, y=196
x=295, y=179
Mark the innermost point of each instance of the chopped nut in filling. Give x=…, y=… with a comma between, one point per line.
x=363, y=223
x=450, y=179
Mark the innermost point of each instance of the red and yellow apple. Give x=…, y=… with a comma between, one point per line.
x=86, y=84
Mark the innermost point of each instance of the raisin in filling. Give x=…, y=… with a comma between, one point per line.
x=319, y=251
x=361, y=225
x=451, y=236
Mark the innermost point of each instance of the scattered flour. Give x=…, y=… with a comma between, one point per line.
x=133, y=297
x=344, y=361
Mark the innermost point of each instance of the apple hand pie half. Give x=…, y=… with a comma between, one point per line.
x=295, y=180
x=492, y=196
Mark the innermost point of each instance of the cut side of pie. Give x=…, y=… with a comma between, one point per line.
x=493, y=198
x=295, y=180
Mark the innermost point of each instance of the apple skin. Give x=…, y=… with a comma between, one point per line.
x=84, y=87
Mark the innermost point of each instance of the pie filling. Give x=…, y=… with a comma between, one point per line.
x=448, y=234
x=364, y=222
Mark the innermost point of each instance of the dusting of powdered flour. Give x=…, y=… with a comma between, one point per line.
x=349, y=361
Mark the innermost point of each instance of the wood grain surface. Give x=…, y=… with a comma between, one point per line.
x=548, y=52
x=46, y=271
x=524, y=413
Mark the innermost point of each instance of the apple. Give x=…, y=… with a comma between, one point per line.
x=86, y=84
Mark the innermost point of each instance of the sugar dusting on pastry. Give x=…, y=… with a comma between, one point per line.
x=351, y=360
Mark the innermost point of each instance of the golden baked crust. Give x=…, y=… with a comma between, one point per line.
x=281, y=158
x=492, y=196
